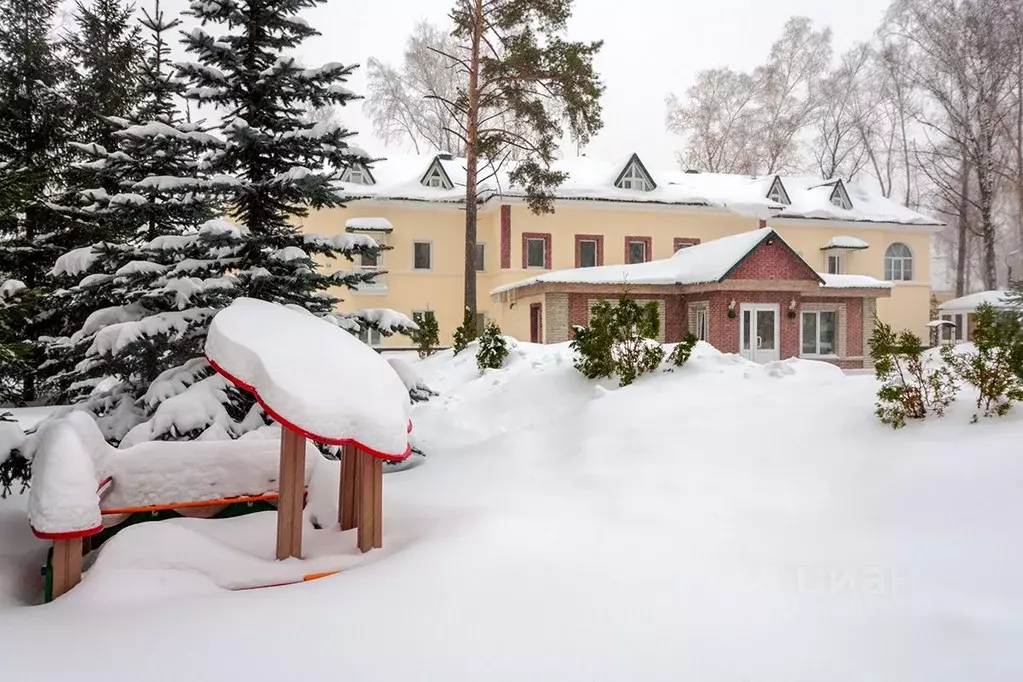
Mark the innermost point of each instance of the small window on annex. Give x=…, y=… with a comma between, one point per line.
x=819, y=332
x=536, y=253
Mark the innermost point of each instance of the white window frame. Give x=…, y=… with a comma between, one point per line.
x=817, y=341
x=702, y=323
x=414, y=245
x=543, y=265
x=634, y=178
x=418, y=315
x=481, y=260
x=436, y=178
x=595, y=252
x=839, y=260
x=370, y=337
x=902, y=260
x=379, y=284
x=356, y=175
x=628, y=249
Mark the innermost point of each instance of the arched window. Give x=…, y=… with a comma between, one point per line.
x=898, y=263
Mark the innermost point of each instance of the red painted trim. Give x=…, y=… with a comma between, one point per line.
x=505, y=237
x=535, y=330
x=684, y=241
x=546, y=237
x=308, y=434
x=599, y=238
x=70, y=535
x=649, y=247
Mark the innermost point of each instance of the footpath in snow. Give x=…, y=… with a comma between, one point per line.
x=725, y=521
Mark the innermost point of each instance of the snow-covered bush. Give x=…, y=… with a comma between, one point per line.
x=680, y=355
x=995, y=368
x=618, y=341
x=427, y=337
x=493, y=349
x=910, y=387
x=465, y=333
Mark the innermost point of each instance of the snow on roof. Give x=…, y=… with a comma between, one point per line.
x=706, y=262
x=852, y=282
x=971, y=302
x=312, y=376
x=369, y=225
x=399, y=178
x=843, y=242
x=811, y=198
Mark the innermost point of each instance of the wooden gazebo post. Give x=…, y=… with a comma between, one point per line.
x=291, y=488
x=361, y=496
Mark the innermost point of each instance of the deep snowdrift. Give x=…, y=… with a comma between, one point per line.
x=721, y=522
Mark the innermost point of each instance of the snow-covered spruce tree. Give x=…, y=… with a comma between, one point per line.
x=33, y=130
x=493, y=349
x=142, y=370
x=107, y=49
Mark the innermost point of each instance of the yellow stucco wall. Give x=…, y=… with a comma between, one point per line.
x=440, y=289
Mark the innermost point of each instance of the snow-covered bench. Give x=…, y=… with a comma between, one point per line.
x=320, y=383
x=83, y=487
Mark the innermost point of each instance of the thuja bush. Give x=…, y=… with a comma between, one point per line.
x=910, y=387
x=618, y=341
x=493, y=349
x=683, y=350
x=465, y=333
x=427, y=337
x=995, y=367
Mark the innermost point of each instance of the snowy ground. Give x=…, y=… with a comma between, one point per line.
x=725, y=522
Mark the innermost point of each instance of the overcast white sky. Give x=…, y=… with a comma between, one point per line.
x=651, y=48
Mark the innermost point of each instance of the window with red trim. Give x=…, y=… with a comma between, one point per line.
x=589, y=250
x=683, y=242
x=637, y=249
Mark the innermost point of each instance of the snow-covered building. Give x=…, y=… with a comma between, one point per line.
x=960, y=311
x=749, y=293
x=609, y=213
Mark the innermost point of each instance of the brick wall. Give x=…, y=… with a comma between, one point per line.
x=724, y=331
x=773, y=262
x=556, y=325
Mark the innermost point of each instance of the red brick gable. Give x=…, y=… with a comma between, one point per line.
x=773, y=261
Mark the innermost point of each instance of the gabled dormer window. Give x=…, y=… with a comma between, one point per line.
x=436, y=177
x=357, y=175
x=777, y=193
x=840, y=198
x=635, y=176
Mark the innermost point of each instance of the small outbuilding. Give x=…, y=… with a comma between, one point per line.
x=958, y=313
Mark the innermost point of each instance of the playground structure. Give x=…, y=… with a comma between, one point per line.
x=317, y=381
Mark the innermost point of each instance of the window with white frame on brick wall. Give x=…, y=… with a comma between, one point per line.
x=822, y=330
x=699, y=320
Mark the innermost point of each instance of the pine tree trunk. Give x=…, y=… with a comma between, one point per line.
x=471, y=157
x=963, y=228
x=1019, y=152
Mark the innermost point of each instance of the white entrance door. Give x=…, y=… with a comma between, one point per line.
x=759, y=331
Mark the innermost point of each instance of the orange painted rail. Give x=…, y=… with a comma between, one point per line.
x=186, y=505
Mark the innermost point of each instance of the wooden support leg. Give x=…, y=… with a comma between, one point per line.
x=291, y=486
x=67, y=565
x=346, y=502
x=370, y=484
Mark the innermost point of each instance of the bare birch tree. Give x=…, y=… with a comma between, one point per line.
x=406, y=104
x=958, y=53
